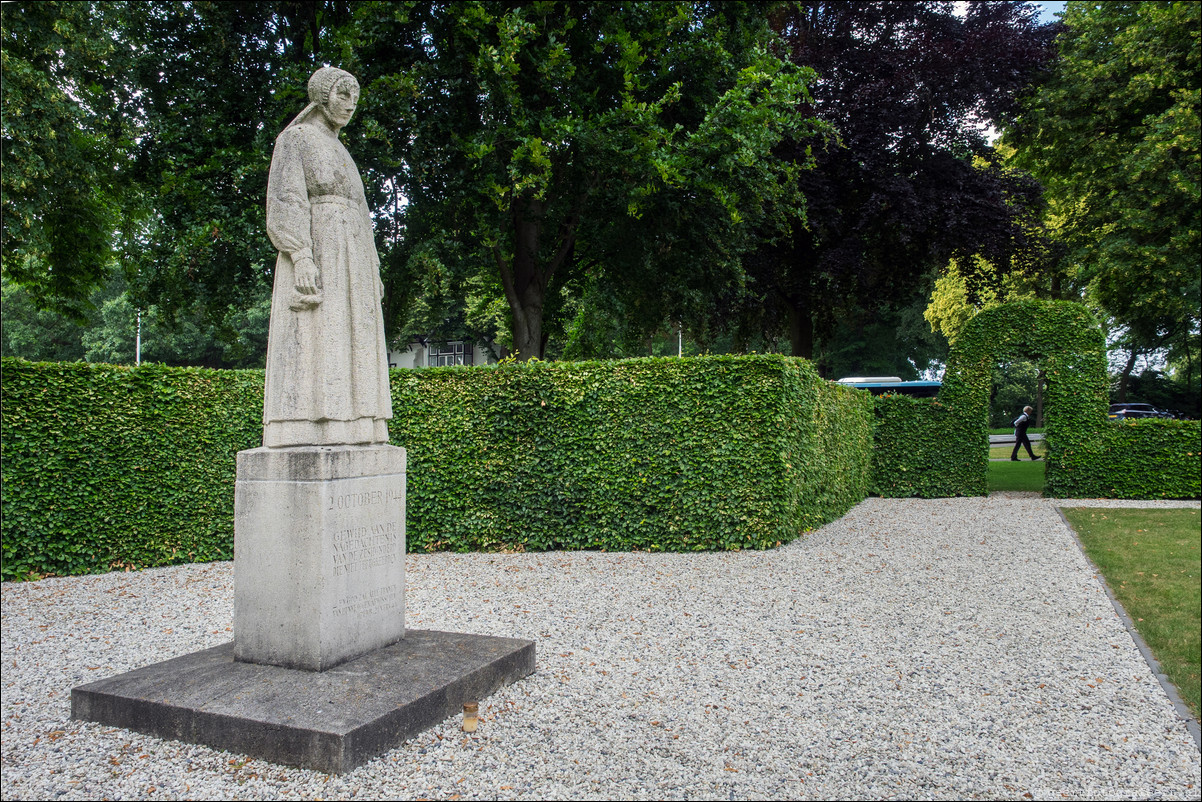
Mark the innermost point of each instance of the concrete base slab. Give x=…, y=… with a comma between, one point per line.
x=332, y=721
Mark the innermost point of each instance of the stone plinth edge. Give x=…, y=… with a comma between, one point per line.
x=319, y=463
x=332, y=721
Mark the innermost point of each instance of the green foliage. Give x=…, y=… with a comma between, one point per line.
x=658, y=454
x=965, y=287
x=217, y=82
x=916, y=451
x=539, y=144
x=1115, y=136
x=940, y=448
x=189, y=337
x=105, y=467
x=108, y=333
x=894, y=340
x=1140, y=458
x=146, y=129
x=908, y=87
x=39, y=335
x=64, y=139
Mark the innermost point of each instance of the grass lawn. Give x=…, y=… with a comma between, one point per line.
x=1003, y=452
x=1022, y=475
x=1150, y=559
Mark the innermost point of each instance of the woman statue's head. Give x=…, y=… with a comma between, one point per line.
x=335, y=93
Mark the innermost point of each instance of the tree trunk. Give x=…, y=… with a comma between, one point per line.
x=525, y=279
x=1039, y=385
x=801, y=330
x=739, y=341
x=1125, y=377
x=522, y=279
x=528, y=328
x=1189, y=373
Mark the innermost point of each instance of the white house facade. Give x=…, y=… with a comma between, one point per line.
x=433, y=355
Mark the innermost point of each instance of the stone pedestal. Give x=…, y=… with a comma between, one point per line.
x=319, y=554
x=321, y=673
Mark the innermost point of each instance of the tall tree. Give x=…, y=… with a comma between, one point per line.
x=1115, y=137
x=217, y=82
x=912, y=88
x=39, y=335
x=147, y=128
x=536, y=143
x=64, y=136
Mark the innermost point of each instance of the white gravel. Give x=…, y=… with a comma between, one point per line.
x=953, y=648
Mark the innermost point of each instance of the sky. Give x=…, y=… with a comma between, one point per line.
x=1048, y=10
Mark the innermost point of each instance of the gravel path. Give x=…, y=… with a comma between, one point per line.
x=953, y=648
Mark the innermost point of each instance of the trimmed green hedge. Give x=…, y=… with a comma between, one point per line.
x=941, y=448
x=655, y=454
x=105, y=467
x=1144, y=458
x=917, y=452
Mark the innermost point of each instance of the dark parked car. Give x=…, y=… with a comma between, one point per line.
x=1121, y=411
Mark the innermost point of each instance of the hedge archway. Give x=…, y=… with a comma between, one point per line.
x=1066, y=342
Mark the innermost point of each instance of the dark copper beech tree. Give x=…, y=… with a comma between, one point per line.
x=912, y=89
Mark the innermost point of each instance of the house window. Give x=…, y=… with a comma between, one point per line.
x=454, y=353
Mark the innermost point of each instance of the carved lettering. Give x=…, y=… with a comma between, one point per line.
x=367, y=498
x=362, y=547
x=368, y=602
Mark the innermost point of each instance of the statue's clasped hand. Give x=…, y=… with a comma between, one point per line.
x=306, y=285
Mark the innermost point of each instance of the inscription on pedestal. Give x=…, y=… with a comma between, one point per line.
x=370, y=602
x=365, y=547
x=363, y=551
x=319, y=555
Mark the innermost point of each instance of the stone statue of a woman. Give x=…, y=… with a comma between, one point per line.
x=327, y=364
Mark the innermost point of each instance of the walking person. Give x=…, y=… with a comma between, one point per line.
x=1020, y=434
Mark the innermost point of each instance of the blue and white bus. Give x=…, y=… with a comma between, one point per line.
x=881, y=385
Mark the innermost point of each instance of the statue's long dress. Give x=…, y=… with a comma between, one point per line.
x=327, y=367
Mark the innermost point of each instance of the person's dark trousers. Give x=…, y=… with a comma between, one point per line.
x=1022, y=440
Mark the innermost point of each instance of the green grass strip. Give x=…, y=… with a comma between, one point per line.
x=1150, y=559
x=1004, y=451
x=1021, y=475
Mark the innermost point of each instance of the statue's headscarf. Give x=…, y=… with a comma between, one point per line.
x=320, y=85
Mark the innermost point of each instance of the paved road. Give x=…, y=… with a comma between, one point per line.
x=1002, y=439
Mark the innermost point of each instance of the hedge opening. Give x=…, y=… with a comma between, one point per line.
x=941, y=448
